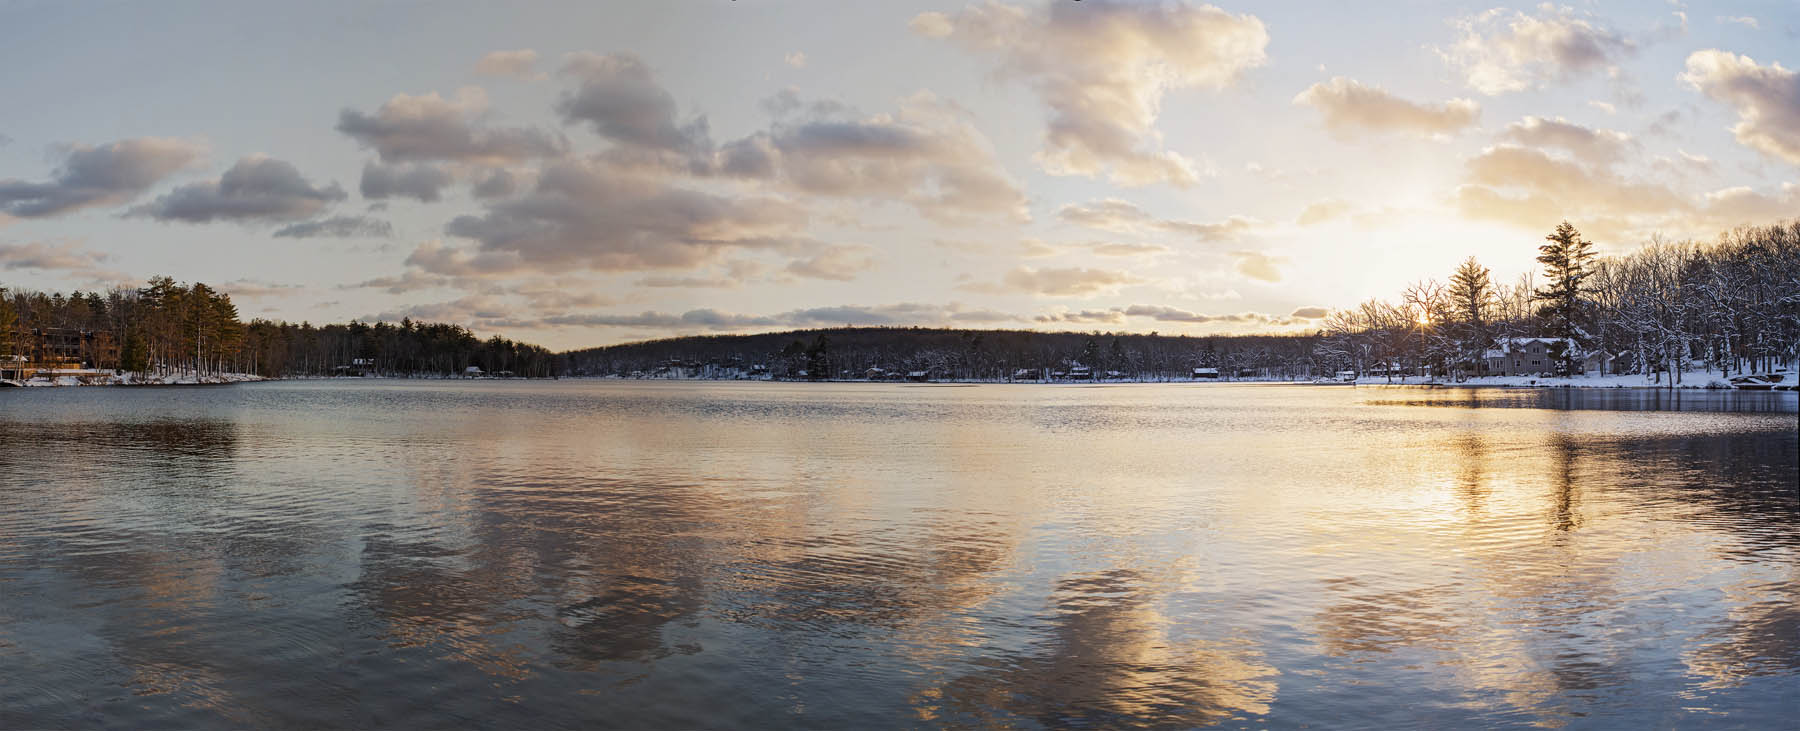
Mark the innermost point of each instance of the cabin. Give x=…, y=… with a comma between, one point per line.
x=1598, y=363
x=918, y=376
x=472, y=372
x=1025, y=374
x=1208, y=374
x=1081, y=373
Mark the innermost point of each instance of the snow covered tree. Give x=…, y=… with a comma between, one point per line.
x=1566, y=259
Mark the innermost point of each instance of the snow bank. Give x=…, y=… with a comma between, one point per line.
x=88, y=377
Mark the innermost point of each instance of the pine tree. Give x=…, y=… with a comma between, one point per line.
x=1565, y=258
x=134, y=355
x=1472, y=300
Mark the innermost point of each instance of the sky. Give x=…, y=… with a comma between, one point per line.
x=578, y=174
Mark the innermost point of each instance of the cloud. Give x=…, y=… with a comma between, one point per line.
x=342, y=227
x=1164, y=313
x=1324, y=211
x=617, y=97
x=1058, y=282
x=104, y=175
x=1529, y=188
x=1103, y=69
x=411, y=280
x=471, y=309
x=424, y=128
x=66, y=257
x=1598, y=146
x=1258, y=266
x=421, y=181
x=433, y=257
x=1118, y=216
x=1502, y=51
x=1743, y=20
x=1311, y=313
x=796, y=59
x=1577, y=189
x=255, y=289
x=1766, y=98
x=1348, y=105
x=498, y=183
x=839, y=263
x=44, y=256
x=1121, y=249
x=927, y=154
x=517, y=64
x=584, y=214
x=1744, y=206
x=257, y=188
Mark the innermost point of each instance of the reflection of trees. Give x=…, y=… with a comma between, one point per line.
x=1109, y=660
x=1565, y=501
x=1382, y=621
x=1760, y=639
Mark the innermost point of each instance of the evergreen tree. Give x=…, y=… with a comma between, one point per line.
x=134, y=354
x=1471, y=302
x=1566, y=260
x=817, y=365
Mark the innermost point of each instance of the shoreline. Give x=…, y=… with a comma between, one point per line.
x=229, y=379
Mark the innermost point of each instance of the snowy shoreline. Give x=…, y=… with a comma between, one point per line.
x=68, y=379
x=1693, y=380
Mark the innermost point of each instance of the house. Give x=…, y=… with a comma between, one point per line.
x=1081, y=373
x=1597, y=363
x=1537, y=356
x=1025, y=374
x=874, y=374
x=918, y=376
x=59, y=347
x=1211, y=374
x=472, y=372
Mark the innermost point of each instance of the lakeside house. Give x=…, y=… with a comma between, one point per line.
x=49, y=349
x=1537, y=356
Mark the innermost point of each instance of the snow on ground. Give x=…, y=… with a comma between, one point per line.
x=93, y=377
x=1689, y=379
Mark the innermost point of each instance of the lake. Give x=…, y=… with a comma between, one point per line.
x=731, y=555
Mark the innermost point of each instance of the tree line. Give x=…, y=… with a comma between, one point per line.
x=167, y=328
x=950, y=354
x=1731, y=306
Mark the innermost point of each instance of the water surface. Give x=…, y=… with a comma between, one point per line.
x=642, y=554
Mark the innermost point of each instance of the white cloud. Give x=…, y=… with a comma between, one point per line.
x=1349, y=105
x=1766, y=98
x=1501, y=51
x=1103, y=68
x=518, y=64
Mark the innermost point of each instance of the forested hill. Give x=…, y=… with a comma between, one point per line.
x=946, y=353
x=168, y=327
